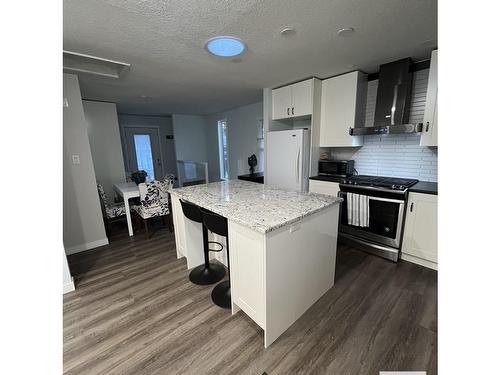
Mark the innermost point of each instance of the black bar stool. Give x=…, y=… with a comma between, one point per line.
x=221, y=294
x=207, y=273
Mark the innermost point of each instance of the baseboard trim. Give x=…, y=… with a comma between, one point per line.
x=69, y=287
x=86, y=246
x=419, y=261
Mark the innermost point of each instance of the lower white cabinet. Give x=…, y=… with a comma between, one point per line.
x=247, y=257
x=324, y=187
x=420, y=233
x=178, y=218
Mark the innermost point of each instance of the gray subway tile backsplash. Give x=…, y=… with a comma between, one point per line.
x=395, y=155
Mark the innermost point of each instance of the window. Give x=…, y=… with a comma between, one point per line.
x=223, y=150
x=260, y=144
x=144, y=155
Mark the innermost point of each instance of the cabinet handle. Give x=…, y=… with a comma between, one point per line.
x=288, y=111
x=293, y=109
x=411, y=207
x=427, y=127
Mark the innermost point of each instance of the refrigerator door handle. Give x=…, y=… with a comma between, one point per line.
x=297, y=166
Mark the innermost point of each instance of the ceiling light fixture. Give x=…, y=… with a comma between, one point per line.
x=287, y=31
x=346, y=31
x=225, y=46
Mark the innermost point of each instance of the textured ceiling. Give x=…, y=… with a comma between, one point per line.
x=164, y=43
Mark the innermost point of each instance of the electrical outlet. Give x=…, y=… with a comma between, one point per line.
x=76, y=159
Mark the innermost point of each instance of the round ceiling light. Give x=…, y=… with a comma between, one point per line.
x=225, y=46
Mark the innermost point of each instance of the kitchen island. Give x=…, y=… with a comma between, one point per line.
x=283, y=247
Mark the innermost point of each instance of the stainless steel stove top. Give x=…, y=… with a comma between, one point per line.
x=391, y=183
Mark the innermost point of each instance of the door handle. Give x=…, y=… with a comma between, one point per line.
x=427, y=127
x=411, y=207
x=158, y=161
x=292, y=110
x=288, y=111
x=297, y=166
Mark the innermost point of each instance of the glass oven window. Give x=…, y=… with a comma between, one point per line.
x=383, y=218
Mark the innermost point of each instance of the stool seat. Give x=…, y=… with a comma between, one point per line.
x=221, y=294
x=208, y=272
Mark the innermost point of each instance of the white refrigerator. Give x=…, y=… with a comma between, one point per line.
x=288, y=159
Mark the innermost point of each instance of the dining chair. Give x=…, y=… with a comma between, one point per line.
x=111, y=212
x=154, y=202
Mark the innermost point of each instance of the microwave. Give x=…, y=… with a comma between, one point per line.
x=337, y=168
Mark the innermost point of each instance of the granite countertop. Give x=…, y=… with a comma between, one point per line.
x=425, y=187
x=259, y=207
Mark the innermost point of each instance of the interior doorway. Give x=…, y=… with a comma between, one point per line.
x=142, y=151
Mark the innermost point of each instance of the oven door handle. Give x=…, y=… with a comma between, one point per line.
x=386, y=200
x=340, y=193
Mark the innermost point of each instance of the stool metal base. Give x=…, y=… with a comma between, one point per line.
x=221, y=295
x=205, y=276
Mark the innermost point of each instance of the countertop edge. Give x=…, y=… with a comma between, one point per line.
x=424, y=187
x=264, y=230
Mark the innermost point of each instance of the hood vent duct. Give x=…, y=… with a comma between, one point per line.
x=392, y=108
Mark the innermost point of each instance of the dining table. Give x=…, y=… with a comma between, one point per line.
x=127, y=190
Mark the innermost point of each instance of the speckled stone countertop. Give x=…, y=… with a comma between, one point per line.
x=259, y=207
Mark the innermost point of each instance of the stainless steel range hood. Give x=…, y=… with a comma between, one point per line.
x=392, y=108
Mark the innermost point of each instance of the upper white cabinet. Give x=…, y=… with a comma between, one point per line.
x=429, y=135
x=343, y=99
x=293, y=100
x=420, y=233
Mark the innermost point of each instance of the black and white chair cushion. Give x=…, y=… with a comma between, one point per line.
x=154, y=199
x=113, y=210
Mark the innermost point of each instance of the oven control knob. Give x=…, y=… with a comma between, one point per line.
x=387, y=229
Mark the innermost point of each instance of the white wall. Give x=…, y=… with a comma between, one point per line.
x=243, y=127
x=105, y=144
x=164, y=124
x=192, y=142
x=190, y=133
x=83, y=225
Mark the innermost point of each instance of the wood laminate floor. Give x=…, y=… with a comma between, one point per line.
x=135, y=312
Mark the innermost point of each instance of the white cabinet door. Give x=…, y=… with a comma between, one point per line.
x=282, y=102
x=429, y=135
x=342, y=101
x=420, y=234
x=293, y=100
x=179, y=230
x=324, y=187
x=246, y=257
x=302, y=98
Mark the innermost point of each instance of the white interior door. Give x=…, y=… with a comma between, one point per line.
x=143, y=151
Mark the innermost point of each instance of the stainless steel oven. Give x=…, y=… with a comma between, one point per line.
x=383, y=236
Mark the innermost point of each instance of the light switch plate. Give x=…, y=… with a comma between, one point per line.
x=76, y=159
